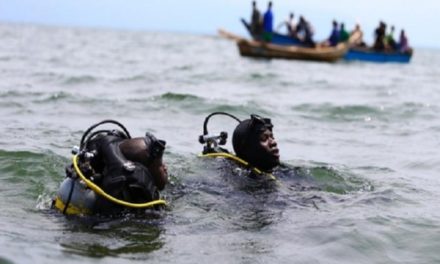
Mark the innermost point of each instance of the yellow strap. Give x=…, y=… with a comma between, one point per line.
x=101, y=192
x=239, y=160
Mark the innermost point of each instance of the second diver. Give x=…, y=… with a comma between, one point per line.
x=253, y=142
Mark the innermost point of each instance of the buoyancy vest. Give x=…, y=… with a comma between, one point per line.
x=123, y=179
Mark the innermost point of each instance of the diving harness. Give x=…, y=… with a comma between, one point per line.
x=77, y=194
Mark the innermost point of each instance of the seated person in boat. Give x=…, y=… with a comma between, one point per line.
x=256, y=25
x=390, y=42
x=253, y=142
x=113, y=173
x=356, y=37
x=403, y=42
x=343, y=34
x=290, y=26
x=304, y=31
x=268, y=24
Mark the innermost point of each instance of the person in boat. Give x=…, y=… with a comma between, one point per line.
x=255, y=21
x=343, y=34
x=304, y=31
x=268, y=23
x=253, y=141
x=113, y=173
x=356, y=37
x=379, y=33
x=390, y=42
x=333, y=39
x=290, y=25
x=403, y=42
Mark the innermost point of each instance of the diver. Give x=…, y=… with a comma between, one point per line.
x=113, y=173
x=257, y=158
x=253, y=142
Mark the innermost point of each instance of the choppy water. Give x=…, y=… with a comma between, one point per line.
x=367, y=134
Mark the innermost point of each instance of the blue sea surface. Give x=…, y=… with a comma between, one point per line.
x=368, y=135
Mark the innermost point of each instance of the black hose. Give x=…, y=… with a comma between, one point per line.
x=205, y=124
x=98, y=124
x=66, y=205
x=92, y=135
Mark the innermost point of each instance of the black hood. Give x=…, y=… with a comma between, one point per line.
x=246, y=142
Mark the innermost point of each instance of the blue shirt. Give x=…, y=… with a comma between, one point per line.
x=334, y=37
x=268, y=21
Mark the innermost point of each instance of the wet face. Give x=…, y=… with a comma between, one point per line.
x=269, y=146
x=160, y=173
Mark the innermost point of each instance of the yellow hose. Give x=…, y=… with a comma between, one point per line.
x=101, y=192
x=239, y=160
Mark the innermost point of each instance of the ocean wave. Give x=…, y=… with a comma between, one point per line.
x=242, y=110
x=379, y=198
x=133, y=78
x=54, y=97
x=201, y=105
x=178, y=97
x=361, y=113
x=6, y=58
x=19, y=94
x=330, y=112
x=82, y=79
x=329, y=178
x=30, y=174
x=262, y=76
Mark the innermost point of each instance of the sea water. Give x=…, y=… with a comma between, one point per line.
x=367, y=134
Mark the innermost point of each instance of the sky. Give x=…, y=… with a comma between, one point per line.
x=419, y=18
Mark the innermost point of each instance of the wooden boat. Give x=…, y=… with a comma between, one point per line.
x=371, y=55
x=228, y=35
x=250, y=48
x=354, y=53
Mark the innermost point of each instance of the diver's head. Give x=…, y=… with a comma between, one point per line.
x=254, y=142
x=148, y=151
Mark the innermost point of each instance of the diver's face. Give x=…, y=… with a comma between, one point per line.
x=269, y=145
x=160, y=173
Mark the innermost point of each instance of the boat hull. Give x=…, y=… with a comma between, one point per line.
x=268, y=50
x=364, y=54
x=280, y=39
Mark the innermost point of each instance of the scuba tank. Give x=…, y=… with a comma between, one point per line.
x=74, y=198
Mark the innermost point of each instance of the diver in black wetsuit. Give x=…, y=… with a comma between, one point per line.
x=112, y=172
x=257, y=158
x=253, y=143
